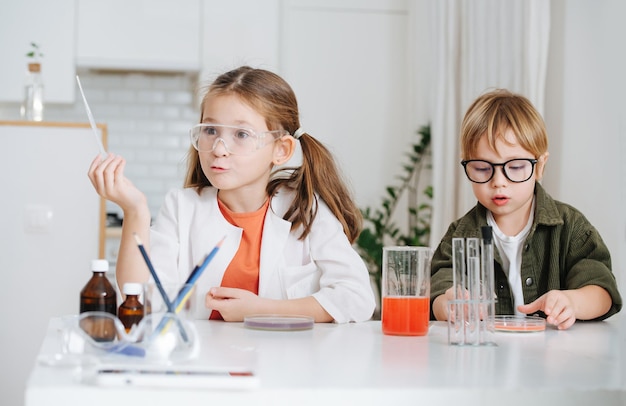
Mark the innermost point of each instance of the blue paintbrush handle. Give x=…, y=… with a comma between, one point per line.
x=184, y=292
x=157, y=282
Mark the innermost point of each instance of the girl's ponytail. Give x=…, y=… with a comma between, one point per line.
x=319, y=176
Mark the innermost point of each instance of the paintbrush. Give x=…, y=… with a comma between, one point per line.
x=157, y=282
x=186, y=290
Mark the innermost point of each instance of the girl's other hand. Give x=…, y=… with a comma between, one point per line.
x=232, y=303
x=107, y=177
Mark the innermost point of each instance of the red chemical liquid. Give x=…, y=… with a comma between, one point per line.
x=405, y=316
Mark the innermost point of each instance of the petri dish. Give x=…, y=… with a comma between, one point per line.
x=278, y=322
x=519, y=324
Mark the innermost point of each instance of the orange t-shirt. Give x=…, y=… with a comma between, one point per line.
x=243, y=270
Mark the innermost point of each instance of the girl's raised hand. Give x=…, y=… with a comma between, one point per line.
x=107, y=177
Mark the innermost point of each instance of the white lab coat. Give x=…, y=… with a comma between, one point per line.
x=323, y=265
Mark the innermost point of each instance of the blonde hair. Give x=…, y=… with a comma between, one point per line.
x=493, y=113
x=270, y=96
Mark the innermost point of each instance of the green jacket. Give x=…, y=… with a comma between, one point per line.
x=562, y=251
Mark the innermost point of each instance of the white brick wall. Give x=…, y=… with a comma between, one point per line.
x=148, y=118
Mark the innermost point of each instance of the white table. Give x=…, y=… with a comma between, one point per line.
x=357, y=364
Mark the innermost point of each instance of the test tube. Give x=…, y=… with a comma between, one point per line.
x=456, y=308
x=488, y=295
x=458, y=268
x=473, y=289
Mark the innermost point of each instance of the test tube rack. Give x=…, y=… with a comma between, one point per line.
x=471, y=314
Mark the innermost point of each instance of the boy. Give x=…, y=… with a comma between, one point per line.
x=548, y=259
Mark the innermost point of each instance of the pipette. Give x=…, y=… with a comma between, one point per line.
x=92, y=122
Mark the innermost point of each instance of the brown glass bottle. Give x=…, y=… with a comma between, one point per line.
x=131, y=310
x=98, y=295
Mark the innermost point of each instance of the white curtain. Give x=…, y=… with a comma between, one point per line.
x=476, y=46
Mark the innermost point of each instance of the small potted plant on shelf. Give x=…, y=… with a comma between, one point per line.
x=34, y=54
x=32, y=107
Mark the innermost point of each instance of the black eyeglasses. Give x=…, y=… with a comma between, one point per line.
x=515, y=170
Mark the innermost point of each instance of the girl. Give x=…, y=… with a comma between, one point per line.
x=288, y=232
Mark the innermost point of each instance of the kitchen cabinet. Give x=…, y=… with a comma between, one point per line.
x=148, y=35
x=50, y=24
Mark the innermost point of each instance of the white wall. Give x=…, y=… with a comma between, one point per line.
x=585, y=112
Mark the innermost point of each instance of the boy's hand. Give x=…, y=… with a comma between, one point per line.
x=440, y=305
x=557, y=306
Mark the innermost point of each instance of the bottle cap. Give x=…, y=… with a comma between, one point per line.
x=133, y=288
x=99, y=265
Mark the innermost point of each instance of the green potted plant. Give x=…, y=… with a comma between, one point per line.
x=35, y=56
x=380, y=227
x=34, y=52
